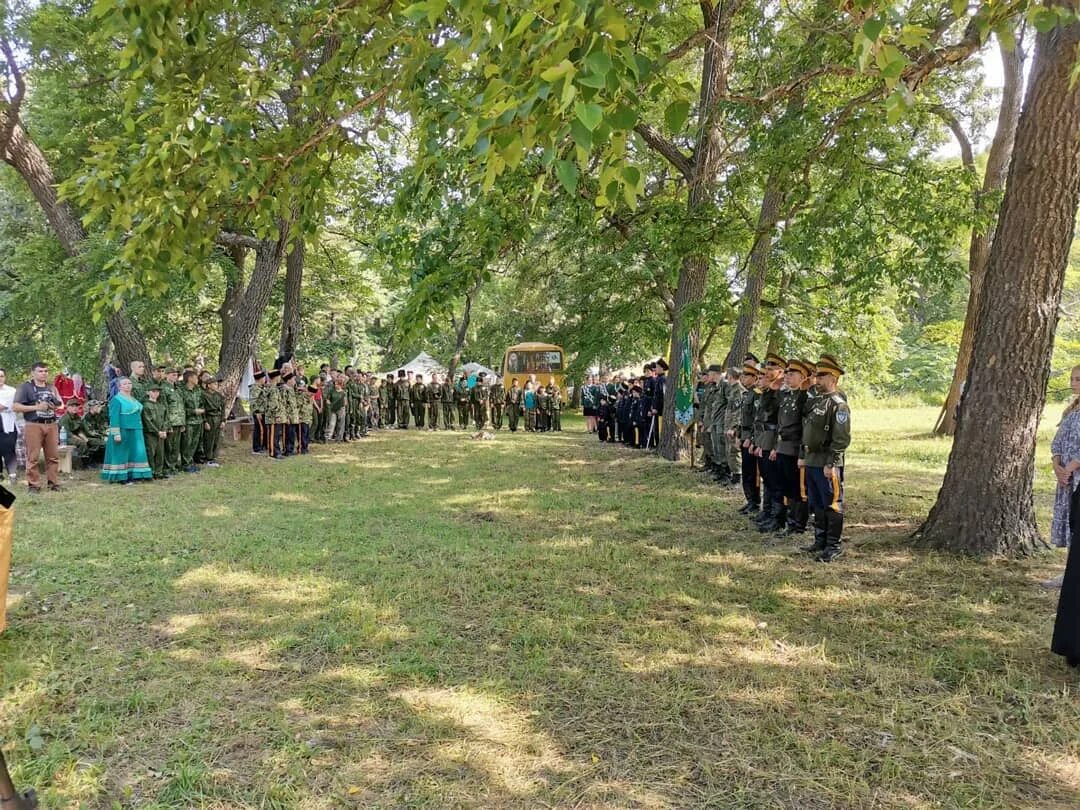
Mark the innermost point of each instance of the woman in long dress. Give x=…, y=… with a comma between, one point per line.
x=125, y=449
x=1065, y=450
x=1066, y=641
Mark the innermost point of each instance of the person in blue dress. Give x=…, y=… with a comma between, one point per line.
x=1065, y=450
x=125, y=448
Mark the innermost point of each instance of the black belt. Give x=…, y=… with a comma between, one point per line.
x=41, y=421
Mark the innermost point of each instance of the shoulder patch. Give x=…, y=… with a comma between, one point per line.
x=841, y=417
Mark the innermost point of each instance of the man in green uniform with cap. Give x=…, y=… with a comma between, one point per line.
x=191, y=395
x=155, y=420
x=732, y=411
x=402, y=393
x=214, y=413
x=496, y=398
x=513, y=405
x=479, y=398
x=826, y=435
x=434, y=402
x=751, y=474
x=447, y=399
x=461, y=399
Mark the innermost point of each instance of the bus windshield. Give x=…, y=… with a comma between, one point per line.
x=522, y=362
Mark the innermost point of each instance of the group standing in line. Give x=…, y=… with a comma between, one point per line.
x=626, y=411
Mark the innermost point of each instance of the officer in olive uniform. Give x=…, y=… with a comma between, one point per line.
x=826, y=435
x=418, y=397
x=155, y=420
x=703, y=418
x=751, y=473
x=497, y=398
x=385, y=409
x=461, y=400
x=479, y=399
x=766, y=413
x=447, y=399
x=401, y=394
x=214, y=413
x=434, y=402
x=191, y=395
x=717, y=440
x=789, y=431
x=513, y=405
x=307, y=416
x=732, y=413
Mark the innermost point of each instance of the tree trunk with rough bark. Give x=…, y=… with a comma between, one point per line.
x=997, y=167
x=247, y=318
x=290, y=311
x=234, y=291
x=702, y=178
x=462, y=326
x=23, y=155
x=756, y=269
x=985, y=505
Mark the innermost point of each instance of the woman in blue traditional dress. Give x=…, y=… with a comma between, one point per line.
x=1065, y=450
x=125, y=450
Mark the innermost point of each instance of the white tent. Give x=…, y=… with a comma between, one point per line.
x=423, y=363
x=476, y=368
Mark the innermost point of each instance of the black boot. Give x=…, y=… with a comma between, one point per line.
x=820, y=532
x=782, y=513
x=777, y=519
x=767, y=506
x=834, y=531
x=748, y=508
x=796, y=523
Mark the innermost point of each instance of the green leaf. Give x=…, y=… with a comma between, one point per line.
x=632, y=175
x=589, y=114
x=676, y=114
x=556, y=72
x=582, y=136
x=417, y=11
x=873, y=28
x=592, y=80
x=524, y=21
x=567, y=173
x=599, y=62
x=623, y=118
x=1044, y=19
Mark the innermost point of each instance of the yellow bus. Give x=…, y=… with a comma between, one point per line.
x=544, y=360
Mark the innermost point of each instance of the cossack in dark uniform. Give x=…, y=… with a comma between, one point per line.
x=826, y=435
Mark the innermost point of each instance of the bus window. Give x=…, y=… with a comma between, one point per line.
x=546, y=361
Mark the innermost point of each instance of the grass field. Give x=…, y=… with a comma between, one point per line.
x=537, y=621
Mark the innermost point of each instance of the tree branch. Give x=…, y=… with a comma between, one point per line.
x=11, y=114
x=667, y=148
x=233, y=240
x=967, y=154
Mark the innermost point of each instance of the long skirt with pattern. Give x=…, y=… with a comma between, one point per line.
x=125, y=460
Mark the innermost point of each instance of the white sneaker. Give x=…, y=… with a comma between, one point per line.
x=1053, y=583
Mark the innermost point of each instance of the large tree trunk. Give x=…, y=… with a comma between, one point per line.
x=234, y=292
x=985, y=505
x=695, y=268
x=997, y=166
x=290, y=312
x=27, y=159
x=247, y=318
x=757, y=268
x=463, y=325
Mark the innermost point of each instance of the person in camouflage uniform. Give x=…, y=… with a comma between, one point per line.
x=461, y=399
x=191, y=395
x=292, y=412
x=275, y=415
x=214, y=414
x=402, y=394
x=138, y=380
x=479, y=399
x=448, y=402
x=555, y=399
x=543, y=409
x=418, y=397
x=257, y=403
x=174, y=407
x=434, y=402
x=334, y=394
x=513, y=405
x=155, y=420
x=497, y=398
x=307, y=416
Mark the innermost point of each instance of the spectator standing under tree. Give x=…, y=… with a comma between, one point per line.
x=9, y=431
x=37, y=400
x=125, y=450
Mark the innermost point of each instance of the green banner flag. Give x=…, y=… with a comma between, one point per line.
x=684, y=387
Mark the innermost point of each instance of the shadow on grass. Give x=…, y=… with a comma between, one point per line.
x=365, y=631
